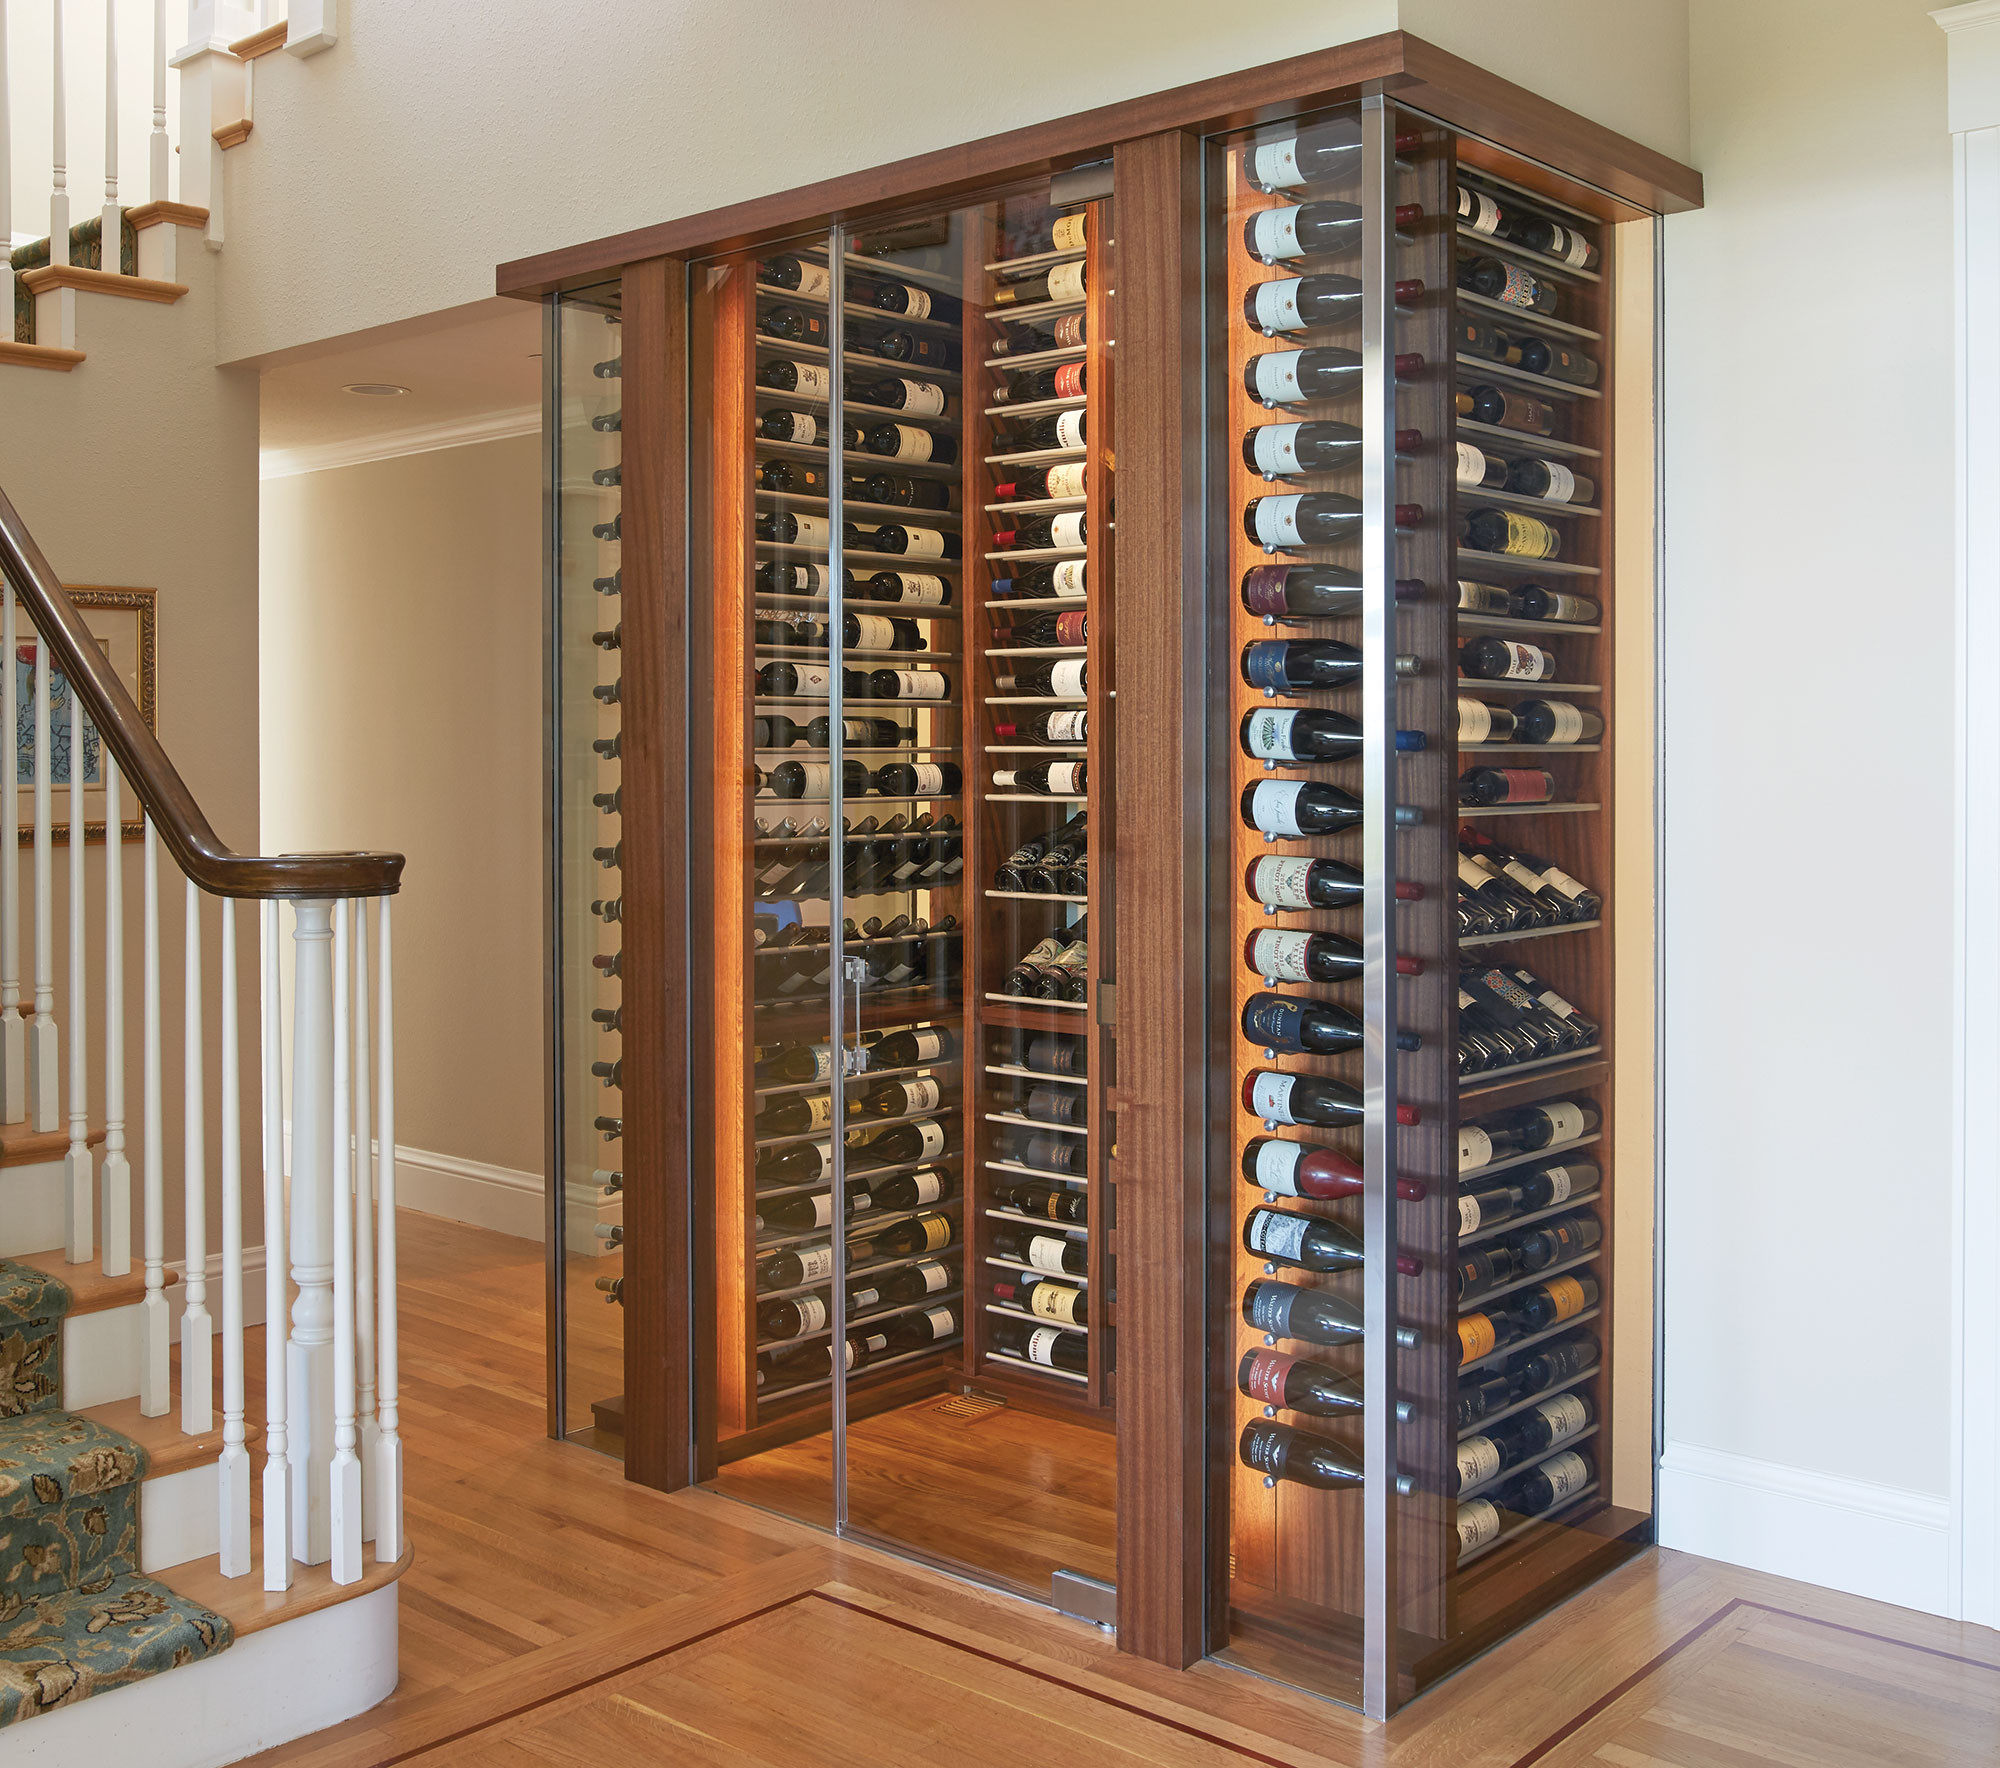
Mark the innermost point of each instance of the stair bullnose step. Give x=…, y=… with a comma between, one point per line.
x=166, y=1447
x=249, y=1608
x=63, y=1648
x=100, y=282
x=19, y=1145
x=90, y=1291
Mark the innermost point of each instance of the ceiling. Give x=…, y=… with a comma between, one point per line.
x=473, y=374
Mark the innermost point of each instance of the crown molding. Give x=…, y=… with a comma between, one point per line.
x=1972, y=82
x=320, y=457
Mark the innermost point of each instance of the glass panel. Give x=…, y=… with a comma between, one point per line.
x=759, y=473
x=1497, y=557
x=998, y=1455
x=582, y=366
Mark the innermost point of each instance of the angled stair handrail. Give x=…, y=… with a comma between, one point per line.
x=144, y=762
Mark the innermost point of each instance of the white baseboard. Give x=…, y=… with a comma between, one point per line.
x=1843, y=1534
x=253, y=1286
x=502, y=1198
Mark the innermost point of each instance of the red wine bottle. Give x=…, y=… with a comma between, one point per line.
x=1313, y=884
x=1298, y=1169
x=911, y=442
x=1296, y=1384
x=1289, y=1310
x=1506, y=785
x=1289, y=1025
x=1309, y=1099
x=1509, y=284
x=1279, y=1452
x=1310, y=1242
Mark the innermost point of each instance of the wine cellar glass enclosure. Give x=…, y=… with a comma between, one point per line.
x=1110, y=680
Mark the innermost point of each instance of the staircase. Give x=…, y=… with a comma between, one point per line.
x=182, y=1570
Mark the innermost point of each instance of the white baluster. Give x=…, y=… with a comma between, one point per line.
x=344, y=1497
x=116, y=1184
x=389, y=1449
x=13, y=1028
x=79, y=1168
x=277, y=1473
x=43, y=1042
x=59, y=183
x=159, y=151
x=364, y=1232
x=233, y=1473
x=113, y=258
x=197, y=1328
x=7, y=268
x=155, y=1318
x=309, y=1369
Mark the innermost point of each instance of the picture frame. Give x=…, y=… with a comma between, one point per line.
x=125, y=622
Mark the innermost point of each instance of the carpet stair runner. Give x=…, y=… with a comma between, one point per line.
x=76, y=1616
x=86, y=250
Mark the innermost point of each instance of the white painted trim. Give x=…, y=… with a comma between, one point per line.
x=320, y=457
x=253, y=1277
x=1844, y=1534
x=1975, y=1337
x=1972, y=82
x=277, y=1684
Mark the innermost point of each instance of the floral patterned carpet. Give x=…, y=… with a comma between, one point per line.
x=76, y=1616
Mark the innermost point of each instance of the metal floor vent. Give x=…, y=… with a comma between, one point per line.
x=968, y=1407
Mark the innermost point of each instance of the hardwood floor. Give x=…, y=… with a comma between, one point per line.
x=556, y=1615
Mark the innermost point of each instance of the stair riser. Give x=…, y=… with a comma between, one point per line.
x=179, y=1518
x=31, y=1208
x=101, y=1355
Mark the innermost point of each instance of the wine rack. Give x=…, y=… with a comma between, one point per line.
x=1024, y=1346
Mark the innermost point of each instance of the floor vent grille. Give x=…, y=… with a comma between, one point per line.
x=969, y=1408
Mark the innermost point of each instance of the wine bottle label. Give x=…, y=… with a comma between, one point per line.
x=1277, y=520
x=1281, y=956
x=1065, y=777
x=804, y=427
x=923, y=543
x=921, y=684
x=815, y=1263
x=1561, y=1182
x=1568, y=245
x=1567, y=1296
x=911, y=442
x=1565, y=1120
x=811, y=531
x=935, y=1276
x=929, y=778
x=937, y=1232
x=1278, y=1166
x=1529, y=537
x=1054, y=1301
x=1069, y=232
x=1271, y=1096
x=1277, y=1236
x=823, y=1209
x=1276, y=449
x=922, y=1095
x=1565, y=1415
x=1066, y=579
x=1563, y=882
x=1478, y=1523
x=1475, y=1337
x=1274, y=806
x=930, y=1135
x=819, y=1107
x=1069, y=429
x=815, y=281
x=1066, y=679
x=1276, y=165
x=812, y=1314
x=874, y=632
x=1571, y=608
x=1468, y=1213
x=823, y=1061
x=1274, y=233
x=1566, y=1473
x=1482, y=598
x=1066, y=530
x=1475, y=1148
x=916, y=302
x=1525, y=785
x=1471, y=465
x=1556, y=1004
x=1045, y=1251
x=1478, y=211
x=923, y=398
x=1271, y=1309
x=1042, y=1344
x=1282, y=882
x=1265, y=1379
x=1475, y=725
x=1519, y=289
x=1066, y=480
x=1478, y=1460
x=1278, y=305
x=1070, y=377
x=1562, y=482
x=1278, y=377
x=942, y=1321
x=920, y=588
x=813, y=382
x=930, y=1045
x=1568, y=721
x=1072, y=627
x=1526, y=662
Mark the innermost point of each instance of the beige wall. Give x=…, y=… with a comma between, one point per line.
x=401, y=658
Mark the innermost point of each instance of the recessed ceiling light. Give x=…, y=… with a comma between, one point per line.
x=374, y=389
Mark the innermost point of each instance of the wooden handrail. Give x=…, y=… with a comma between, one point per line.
x=194, y=844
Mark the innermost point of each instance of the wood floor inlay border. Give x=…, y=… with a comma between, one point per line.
x=1694, y=1636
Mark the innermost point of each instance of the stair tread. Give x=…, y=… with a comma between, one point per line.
x=249, y=1608
x=91, y=1292
x=19, y=1145
x=167, y=1449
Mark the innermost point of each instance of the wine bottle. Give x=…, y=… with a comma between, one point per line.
x=1269, y=733
x=1290, y=956
x=1509, y=533
x=1543, y=1487
x=1532, y=602
x=1049, y=1346
x=1054, y=1203
x=899, y=393
x=792, y=325
x=1047, y=1299
x=1308, y=1099
x=1312, y=155
x=1477, y=470
x=1481, y=723
x=1054, y=1053
x=1033, y=484
x=911, y=301
x=898, y=343
x=1556, y=721
x=812, y=281
x=1505, y=659
x=1553, y=240
x=1507, y=283
x=1551, y=1363
x=1066, y=678
x=1304, y=230
x=903, y=1143
x=1532, y=1127
x=1296, y=1384
x=1063, y=580
x=1289, y=1310
x=1069, y=628
x=1551, y=881
x=1295, y=808
x=1557, y=360
x=811, y=779
x=912, y=1048
x=1067, y=728
x=1549, y=480
x=899, y=490
x=911, y=442
x=1293, y=666
x=1069, y=529
x=1288, y=451
x=1062, y=380
x=917, y=1190
x=907, y=684
x=1043, y=1251
x=1506, y=410
x=915, y=542
x=929, y=1232
x=791, y=1317
x=1313, y=884
x=1296, y=377
x=1310, y=1243
x=1301, y=303
x=1060, y=233
x=802, y=428
x=1506, y=785
x=1557, y=1242
x=1288, y=1025
x=809, y=380
x=1279, y=1452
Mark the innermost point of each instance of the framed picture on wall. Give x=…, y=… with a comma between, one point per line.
x=123, y=621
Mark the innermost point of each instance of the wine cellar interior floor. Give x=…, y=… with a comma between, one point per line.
x=557, y=1614
x=1009, y=1494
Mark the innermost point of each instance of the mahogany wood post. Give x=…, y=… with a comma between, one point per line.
x=1161, y=858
